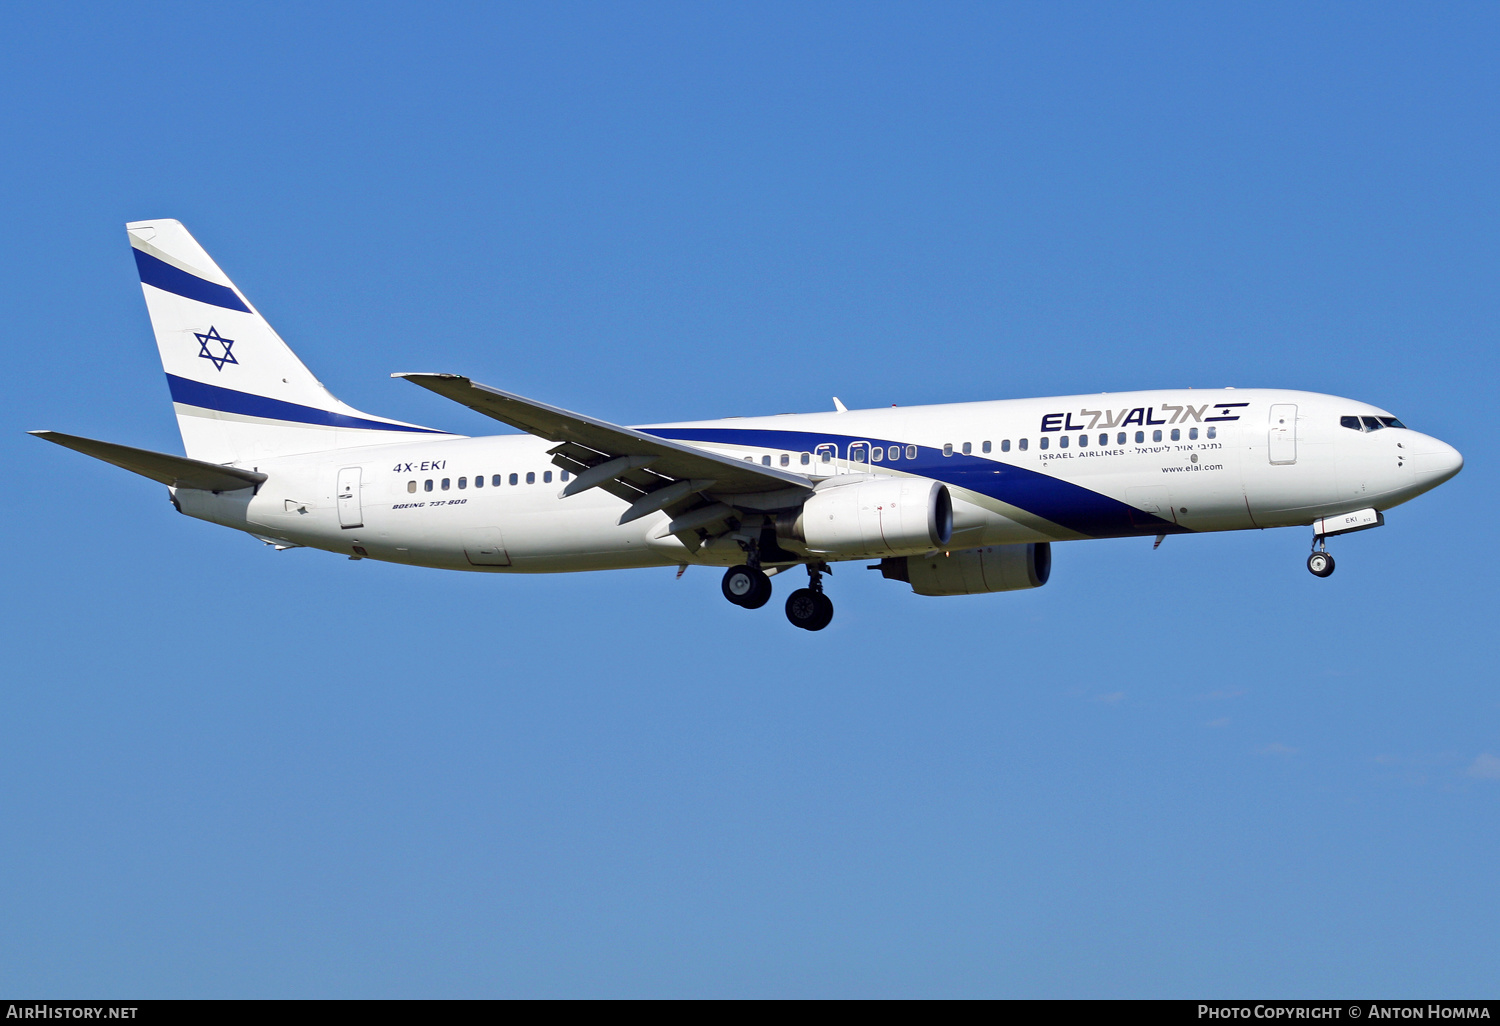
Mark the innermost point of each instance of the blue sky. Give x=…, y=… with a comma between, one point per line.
x=1196, y=771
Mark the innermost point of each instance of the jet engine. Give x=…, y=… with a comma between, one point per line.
x=884, y=516
x=973, y=571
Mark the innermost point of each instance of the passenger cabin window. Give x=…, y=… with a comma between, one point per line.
x=1140, y=436
x=1120, y=438
x=894, y=452
x=1083, y=440
x=984, y=446
x=531, y=477
x=1024, y=443
x=911, y=452
x=968, y=448
x=1005, y=445
x=947, y=448
x=427, y=485
x=446, y=484
x=547, y=477
x=806, y=458
x=1176, y=435
x=563, y=476
x=1104, y=438
x=411, y=486
x=1062, y=442
x=1042, y=442
x=1193, y=434
x=478, y=480
x=877, y=454
x=1213, y=432
x=1156, y=435
x=495, y=480
x=515, y=479
x=463, y=482
x=786, y=460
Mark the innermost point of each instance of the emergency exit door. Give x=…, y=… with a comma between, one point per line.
x=350, y=513
x=826, y=460
x=1283, y=439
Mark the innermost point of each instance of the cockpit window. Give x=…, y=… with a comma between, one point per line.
x=1369, y=423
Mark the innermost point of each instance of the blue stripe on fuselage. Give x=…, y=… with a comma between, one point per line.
x=1062, y=502
x=227, y=400
x=162, y=275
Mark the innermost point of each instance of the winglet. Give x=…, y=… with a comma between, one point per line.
x=838, y=405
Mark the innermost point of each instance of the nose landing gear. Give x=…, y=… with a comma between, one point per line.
x=1320, y=563
x=808, y=607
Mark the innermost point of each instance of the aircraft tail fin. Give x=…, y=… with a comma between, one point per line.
x=238, y=389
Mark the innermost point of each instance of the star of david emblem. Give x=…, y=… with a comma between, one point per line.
x=204, y=352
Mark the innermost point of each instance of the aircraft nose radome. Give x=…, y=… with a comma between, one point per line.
x=1437, y=462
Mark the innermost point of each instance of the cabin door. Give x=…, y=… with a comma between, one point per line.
x=1283, y=441
x=350, y=512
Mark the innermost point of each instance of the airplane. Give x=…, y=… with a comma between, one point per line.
x=954, y=499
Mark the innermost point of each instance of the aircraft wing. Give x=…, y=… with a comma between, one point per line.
x=649, y=472
x=173, y=471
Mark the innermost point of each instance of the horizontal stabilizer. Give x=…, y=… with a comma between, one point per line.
x=175, y=471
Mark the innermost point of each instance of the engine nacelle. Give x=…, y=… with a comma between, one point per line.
x=974, y=571
x=885, y=516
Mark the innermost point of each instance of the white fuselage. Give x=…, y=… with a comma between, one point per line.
x=1022, y=470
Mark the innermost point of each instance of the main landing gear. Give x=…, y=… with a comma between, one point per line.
x=747, y=586
x=807, y=608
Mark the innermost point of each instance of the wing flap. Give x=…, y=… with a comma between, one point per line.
x=581, y=436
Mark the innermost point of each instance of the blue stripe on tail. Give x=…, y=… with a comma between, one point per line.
x=227, y=400
x=162, y=275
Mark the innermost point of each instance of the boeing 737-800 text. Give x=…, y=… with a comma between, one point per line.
x=953, y=500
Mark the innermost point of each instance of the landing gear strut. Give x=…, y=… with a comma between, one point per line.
x=1320, y=563
x=808, y=607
